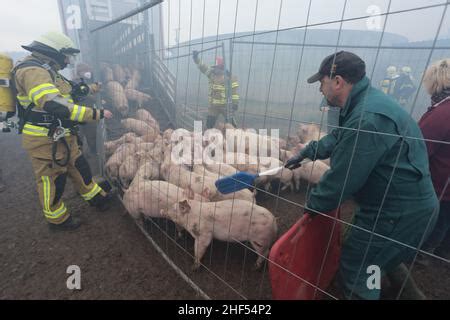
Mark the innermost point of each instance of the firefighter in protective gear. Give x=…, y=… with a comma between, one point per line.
x=388, y=83
x=404, y=86
x=217, y=94
x=50, y=119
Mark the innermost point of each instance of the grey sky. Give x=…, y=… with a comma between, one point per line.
x=416, y=25
x=27, y=19
x=24, y=20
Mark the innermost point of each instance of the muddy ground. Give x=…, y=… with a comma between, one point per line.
x=116, y=260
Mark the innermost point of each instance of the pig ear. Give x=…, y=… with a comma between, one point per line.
x=184, y=206
x=162, y=212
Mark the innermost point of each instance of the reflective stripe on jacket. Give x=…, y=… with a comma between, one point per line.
x=217, y=87
x=35, y=86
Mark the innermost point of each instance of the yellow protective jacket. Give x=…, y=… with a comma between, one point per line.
x=217, y=87
x=35, y=86
x=387, y=85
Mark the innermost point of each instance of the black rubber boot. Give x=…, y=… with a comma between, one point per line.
x=102, y=203
x=69, y=224
x=105, y=185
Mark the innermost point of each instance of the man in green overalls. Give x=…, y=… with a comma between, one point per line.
x=377, y=157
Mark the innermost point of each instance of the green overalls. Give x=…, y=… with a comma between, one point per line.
x=387, y=176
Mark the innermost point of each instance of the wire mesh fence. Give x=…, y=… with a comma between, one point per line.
x=268, y=50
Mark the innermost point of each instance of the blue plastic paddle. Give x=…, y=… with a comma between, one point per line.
x=242, y=180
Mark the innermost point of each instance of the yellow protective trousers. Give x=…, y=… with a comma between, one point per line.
x=51, y=178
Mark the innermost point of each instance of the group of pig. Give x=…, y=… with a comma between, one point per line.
x=122, y=85
x=156, y=186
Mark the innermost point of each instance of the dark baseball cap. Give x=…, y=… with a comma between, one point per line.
x=343, y=63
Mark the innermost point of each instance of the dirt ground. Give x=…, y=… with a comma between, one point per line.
x=116, y=259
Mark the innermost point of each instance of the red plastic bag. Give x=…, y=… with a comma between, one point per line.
x=297, y=258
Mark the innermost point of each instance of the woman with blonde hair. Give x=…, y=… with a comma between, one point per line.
x=435, y=126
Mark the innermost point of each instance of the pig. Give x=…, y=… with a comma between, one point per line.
x=115, y=161
x=252, y=164
x=201, y=170
x=131, y=84
x=119, y=73
x=144, y=115
x=149, y=169
x=269, y=162
x=167, y=134
x=250, y=142
x=117, y=95
x=285, y=176
x=242, y=194
x=134, y=77
x=127, y=72
x=221, y=168
x=299, y=147
x=139, y=160
x=128, y=169
x=228, y=220
x=145, y=147
x=292, y=141
x=285, y=155
x=107, y=74
x=150, y=136
x=142, y=143
x=157, y=152
x=139, y=97
x=146, y=197
x=309, y=132
x=310, y=171
x=139, y=127
x=111, y=146
x=182, y=177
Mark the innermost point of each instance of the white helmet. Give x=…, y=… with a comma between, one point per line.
x=54, y=45
x=406, y=70
x=391, y=71
x=58, y=41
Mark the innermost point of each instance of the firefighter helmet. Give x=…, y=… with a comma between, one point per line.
x=391, y=71
x=406, y=70
x=54, y=45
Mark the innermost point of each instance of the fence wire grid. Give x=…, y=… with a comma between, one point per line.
x=142, y=52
